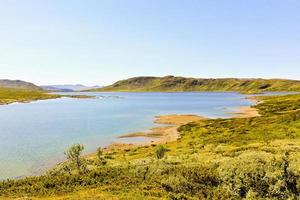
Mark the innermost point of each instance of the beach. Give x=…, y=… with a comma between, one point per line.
x=168, y=132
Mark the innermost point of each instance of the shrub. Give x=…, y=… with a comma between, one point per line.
x=73, y=154
x=160, y=151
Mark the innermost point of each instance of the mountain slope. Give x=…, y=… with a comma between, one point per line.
x=18, y=84
x=178, y=84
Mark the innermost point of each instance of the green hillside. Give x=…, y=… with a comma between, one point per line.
x=178, y=84
x=238, y=158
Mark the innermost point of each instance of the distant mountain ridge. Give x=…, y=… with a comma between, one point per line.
x=18, y=84
x=181, y=84
x=68, y=87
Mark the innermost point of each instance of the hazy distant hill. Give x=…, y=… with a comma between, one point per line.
x=18, y=84
x=68, y=87
x=172, y=84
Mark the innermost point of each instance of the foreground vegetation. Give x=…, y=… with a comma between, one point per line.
x=11, y=95
x=179, y=84
x=240, y=158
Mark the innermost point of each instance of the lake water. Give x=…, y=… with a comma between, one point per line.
x=33, y=136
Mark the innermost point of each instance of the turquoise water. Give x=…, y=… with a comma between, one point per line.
x=33, y=136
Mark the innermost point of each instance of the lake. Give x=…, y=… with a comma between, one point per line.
x=34, y=136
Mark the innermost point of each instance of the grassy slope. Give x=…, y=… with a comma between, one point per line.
x=11, y=95
x=213, y=159
x=18, y=84
x=172, y=84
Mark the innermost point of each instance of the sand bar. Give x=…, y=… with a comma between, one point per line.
x=168, y=133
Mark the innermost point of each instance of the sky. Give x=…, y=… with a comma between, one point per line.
x=97, y=42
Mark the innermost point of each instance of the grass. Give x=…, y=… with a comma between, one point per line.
x=12, y=95
x=252, y=158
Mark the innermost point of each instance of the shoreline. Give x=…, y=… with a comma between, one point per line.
x=168, y=131
x=24, y=101
x=245, y=112
x=164, y=133
x=170, y=123
x=50, y=97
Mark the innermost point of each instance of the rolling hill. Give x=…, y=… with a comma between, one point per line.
x=180, y=84
x=68, y=87
x=18, y=84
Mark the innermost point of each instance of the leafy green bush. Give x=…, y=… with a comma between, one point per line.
x=73, y=154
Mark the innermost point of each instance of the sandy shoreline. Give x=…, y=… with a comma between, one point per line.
x=164, y=134
x=245, y=112
x=169, y=133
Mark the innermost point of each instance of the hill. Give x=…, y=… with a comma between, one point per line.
x=21, y=91
x=68, y=87
x=55, y=89
x=180, y=84
x=18, y=84
x=12, y=91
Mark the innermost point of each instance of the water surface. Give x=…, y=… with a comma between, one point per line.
x=34, y=135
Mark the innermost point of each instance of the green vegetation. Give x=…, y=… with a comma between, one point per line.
x=11, y=95
x=237, y=158
x=160, y=152
x=178, y=84
x=100, y=156
x=73, y=154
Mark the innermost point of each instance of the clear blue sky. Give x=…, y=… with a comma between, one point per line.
x=101, y=41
